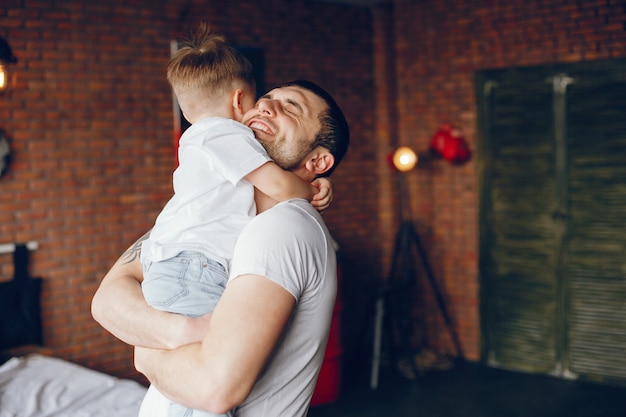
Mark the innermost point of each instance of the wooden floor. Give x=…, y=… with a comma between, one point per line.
x=472, y=390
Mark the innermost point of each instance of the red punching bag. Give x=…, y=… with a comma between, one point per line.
x=448, y=143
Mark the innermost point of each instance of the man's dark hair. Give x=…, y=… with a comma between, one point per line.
x=334, y=133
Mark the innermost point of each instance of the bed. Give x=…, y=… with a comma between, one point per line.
x=35, y=384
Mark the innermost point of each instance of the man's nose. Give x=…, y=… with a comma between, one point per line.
x=268, y=107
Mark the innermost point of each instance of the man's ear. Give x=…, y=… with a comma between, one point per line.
x=320, y=161
x=237, y=104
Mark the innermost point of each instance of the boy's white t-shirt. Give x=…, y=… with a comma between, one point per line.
x=212, y=201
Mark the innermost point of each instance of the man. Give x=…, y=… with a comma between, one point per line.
x=260, y=351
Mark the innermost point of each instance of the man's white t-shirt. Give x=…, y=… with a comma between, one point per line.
x=290, y=245
x=212, y=201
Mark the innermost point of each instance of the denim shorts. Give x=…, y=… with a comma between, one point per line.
x=189, y=284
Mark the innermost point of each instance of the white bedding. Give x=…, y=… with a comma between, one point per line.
x=42, y=386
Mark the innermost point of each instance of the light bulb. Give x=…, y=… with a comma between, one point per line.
x=3, y=78
x=404, y=159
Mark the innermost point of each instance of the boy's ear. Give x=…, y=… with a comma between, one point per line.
x=237, y=104
x=320, y=161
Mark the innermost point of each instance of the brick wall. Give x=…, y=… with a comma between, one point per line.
x=90, y=120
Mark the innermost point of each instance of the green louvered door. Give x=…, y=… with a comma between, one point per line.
x=553, y=219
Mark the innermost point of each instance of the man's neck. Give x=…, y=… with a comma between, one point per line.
x=263, y=202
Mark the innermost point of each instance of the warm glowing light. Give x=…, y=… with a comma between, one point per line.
x=3, y=78
x=6, y=58
x=404, y=159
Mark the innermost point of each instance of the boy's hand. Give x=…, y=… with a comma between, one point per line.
x=321, y=201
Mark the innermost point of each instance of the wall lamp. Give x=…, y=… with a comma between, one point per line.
x=404, y=159
x=398, y=289
x=6, y=58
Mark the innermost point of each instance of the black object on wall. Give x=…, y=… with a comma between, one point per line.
x=20, y=321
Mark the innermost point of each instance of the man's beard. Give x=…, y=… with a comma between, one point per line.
x=288, y=161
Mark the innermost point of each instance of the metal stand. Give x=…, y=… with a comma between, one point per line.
x=396, y=297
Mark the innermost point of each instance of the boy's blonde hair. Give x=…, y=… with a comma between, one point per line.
x=206, y=67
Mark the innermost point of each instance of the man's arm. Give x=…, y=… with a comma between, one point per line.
x=118, y=305
x=219, y=373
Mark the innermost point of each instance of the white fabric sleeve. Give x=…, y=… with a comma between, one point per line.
x=284, y=244
x=235, y=151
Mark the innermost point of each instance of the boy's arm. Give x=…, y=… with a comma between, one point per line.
x=321, y=200
x=272, y=184
x=279, y=184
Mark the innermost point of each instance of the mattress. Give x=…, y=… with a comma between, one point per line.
x=41, y=386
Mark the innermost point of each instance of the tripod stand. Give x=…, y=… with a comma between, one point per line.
x=395, y=295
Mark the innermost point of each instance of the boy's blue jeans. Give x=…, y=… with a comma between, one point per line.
x=188, y=284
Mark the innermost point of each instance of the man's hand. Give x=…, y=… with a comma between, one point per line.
x=321, y=201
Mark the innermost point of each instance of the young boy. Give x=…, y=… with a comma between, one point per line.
x=186, y=257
